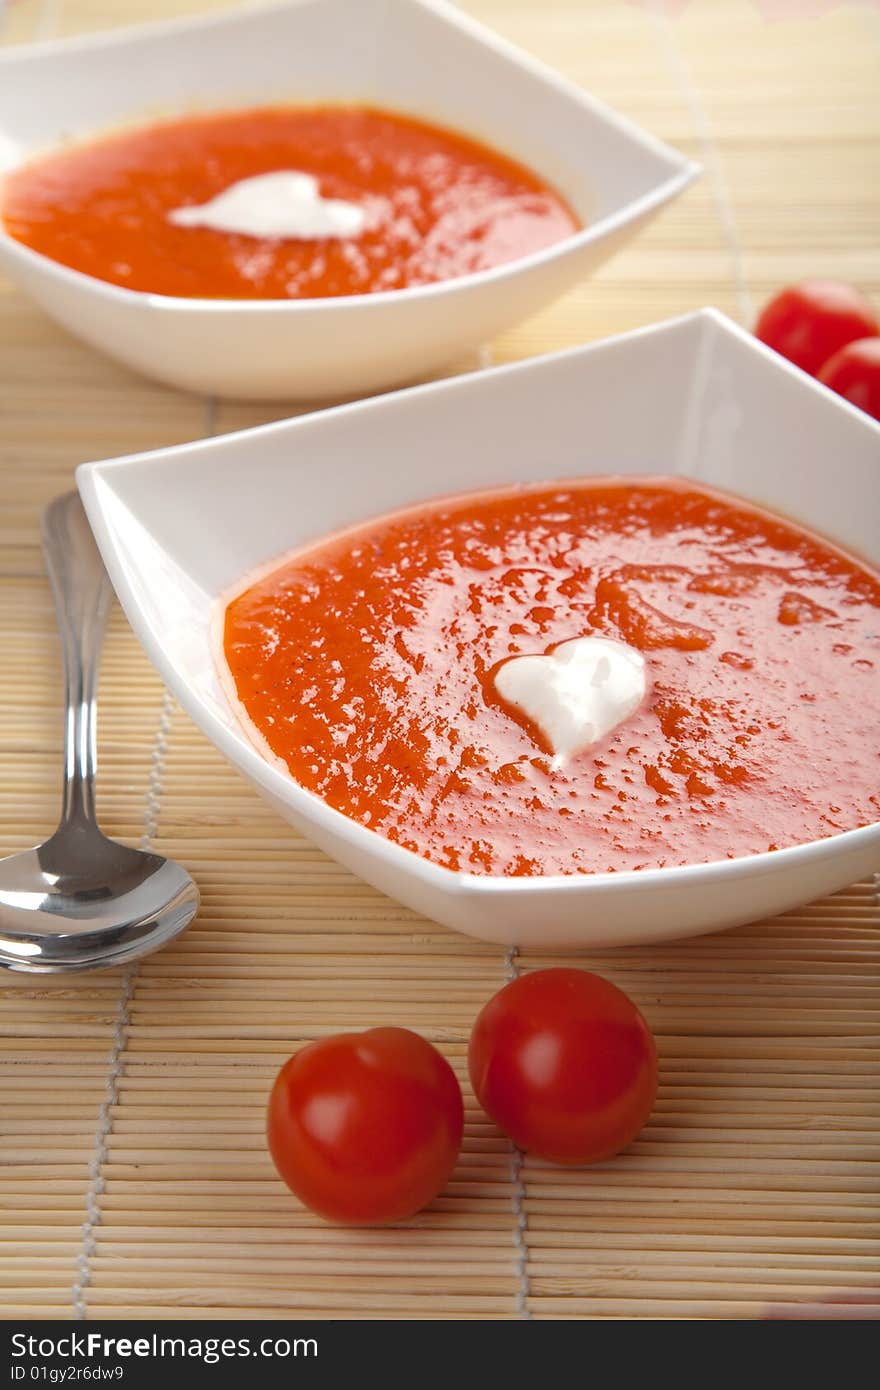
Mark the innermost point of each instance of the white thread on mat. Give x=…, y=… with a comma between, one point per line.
x=711, y=159
x=119, y=1037
x=518, y=1185
x=46, y=26
x=157, y=769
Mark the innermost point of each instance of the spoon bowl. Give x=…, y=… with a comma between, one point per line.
x=80, y=901
x=84, y=906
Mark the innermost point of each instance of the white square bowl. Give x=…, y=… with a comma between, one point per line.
x=695, y=396
x=419, y=56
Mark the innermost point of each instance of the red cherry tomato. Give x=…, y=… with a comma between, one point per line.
x=808, y=323
x=365, y=1128
x=565, y=1064
x=854, y=373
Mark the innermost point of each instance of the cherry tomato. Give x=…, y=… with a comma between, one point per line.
x=365, y=1128
x=565, y=1064
x=854, y=373
x=810, y=322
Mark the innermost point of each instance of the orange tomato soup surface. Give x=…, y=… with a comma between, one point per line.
x=365, y=666
x=437, y=204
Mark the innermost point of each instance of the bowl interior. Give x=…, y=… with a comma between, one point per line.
x=695, y=397
x=419, y=56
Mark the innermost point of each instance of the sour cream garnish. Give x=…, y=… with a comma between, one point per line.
x=281, y=204
x=578, y=693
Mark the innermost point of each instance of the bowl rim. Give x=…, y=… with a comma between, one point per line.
x=682, y=172
x=307, y=806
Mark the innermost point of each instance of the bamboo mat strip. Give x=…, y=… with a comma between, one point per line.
x=133, y=1176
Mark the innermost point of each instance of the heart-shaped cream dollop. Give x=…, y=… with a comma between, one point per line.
x=577, y=693
x=282, y=204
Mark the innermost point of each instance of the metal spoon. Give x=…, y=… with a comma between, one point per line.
x=81, y=901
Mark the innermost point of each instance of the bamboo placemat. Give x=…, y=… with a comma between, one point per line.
x=134, y=1177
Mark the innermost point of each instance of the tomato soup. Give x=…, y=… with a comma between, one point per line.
x=366, y=666
x=435, y=204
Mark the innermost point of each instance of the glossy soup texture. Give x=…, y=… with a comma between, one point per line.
x=366, y=666
x=437, y=204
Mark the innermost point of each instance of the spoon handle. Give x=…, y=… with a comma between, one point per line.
x=82, y=592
